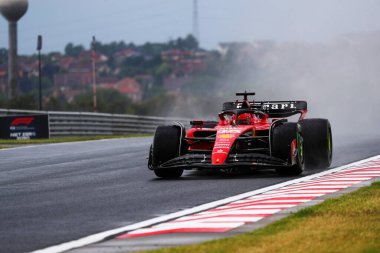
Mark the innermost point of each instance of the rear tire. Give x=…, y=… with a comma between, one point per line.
x=282, y=138
x=166, y=146
x=318, y=143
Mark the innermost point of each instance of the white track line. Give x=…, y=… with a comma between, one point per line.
x=28, y=146
x=104, y=235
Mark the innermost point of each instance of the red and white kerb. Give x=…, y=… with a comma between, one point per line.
x=235, y=214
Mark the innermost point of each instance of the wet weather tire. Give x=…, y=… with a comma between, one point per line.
x=317, y=142
x=166, y=146
x=282, y=137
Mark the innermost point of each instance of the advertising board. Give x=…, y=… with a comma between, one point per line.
x=24, y=127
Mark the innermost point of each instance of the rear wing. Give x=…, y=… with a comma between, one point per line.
x=274, y=109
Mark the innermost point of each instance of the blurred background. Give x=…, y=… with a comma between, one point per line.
x=185, y=58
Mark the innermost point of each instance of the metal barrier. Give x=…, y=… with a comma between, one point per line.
x=86, y=123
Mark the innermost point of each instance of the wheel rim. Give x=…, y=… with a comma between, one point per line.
x=329, y=143
x=300, y=148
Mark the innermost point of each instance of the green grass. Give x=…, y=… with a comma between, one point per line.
x=350, y=223
x=13, y=143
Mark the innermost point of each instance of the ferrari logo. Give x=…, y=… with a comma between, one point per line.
x=225, y=136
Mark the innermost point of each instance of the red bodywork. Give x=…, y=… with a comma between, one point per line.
x=226, y=134
x=242, y=137
x=227, y=131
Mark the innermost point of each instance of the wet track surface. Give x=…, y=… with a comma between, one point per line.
x=51, y=194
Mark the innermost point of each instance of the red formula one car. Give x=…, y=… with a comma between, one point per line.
x=249, y=134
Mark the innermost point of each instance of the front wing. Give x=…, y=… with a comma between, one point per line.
x=192, y=161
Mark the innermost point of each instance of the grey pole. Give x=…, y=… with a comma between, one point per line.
x=13, y=10
x=39, y=47
x=12, y=60
x=93, y=56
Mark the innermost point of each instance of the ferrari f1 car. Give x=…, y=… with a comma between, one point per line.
x=248, y=134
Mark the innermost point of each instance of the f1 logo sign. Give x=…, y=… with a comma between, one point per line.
x=22, y=121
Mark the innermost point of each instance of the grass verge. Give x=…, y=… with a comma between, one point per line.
x=350, y=223
x=13, y=143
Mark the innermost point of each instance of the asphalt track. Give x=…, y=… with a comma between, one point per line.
x=51, y=194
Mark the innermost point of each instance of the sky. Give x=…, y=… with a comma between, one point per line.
x=140, y=21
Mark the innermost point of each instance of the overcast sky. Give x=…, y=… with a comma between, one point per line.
x=139, y=21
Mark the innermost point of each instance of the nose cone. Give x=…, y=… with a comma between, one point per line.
x=13, y=10
x=219, y=158
x=225, y=138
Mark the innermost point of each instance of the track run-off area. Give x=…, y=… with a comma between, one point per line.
x=58, y=193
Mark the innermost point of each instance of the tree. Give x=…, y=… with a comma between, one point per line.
x=26, y=102
x=153, y=49
x=108, y=101
x=160, y=72
x=111, y=48
x=72, y=50
x=3, y=101
x=132, y=66
x=159, y=105
x=3, y=56
x=58, y=103
x=189, y=43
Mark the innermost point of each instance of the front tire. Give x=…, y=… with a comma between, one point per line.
x=282, y=138
x=166, y=146
x=318, y=143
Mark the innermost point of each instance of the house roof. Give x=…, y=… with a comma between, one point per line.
x=125, y=86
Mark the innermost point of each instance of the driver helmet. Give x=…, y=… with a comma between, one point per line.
x=244, y=119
